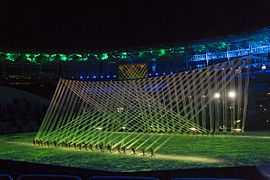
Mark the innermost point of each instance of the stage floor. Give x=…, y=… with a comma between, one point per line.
x=182, y=151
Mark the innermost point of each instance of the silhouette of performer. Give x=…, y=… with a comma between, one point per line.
x=90, y=147
x=109, y=148
x=152, y=152
x=119, y=149
x=143, y=151
x=54, y=143
x=133, y=150
x=124, y=149
x=101, y=147
x=80, y=146
x=96, y=146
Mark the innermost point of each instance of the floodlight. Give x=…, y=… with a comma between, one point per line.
x=217, y=95
x=232, y=94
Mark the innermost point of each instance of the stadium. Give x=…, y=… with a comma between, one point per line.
x=165, y=109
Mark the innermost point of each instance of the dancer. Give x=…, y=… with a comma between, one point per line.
x=133, y=150
x=143, y=151
x=124, y=150
x=152, y=152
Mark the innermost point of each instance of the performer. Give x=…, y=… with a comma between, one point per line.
x=96, y=146
x=55, y=143
x=124, y=150
x=80, y=146
x=90, y=146
x=109, y=148
x=101, y=147
x=119, y=149
x=152, y=152
x=133, y=150
x=143, y=151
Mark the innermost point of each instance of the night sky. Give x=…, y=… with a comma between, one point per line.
x=87, y=25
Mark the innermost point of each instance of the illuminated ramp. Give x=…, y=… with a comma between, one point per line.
x=145, y=113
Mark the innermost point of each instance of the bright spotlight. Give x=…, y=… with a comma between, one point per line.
x=216, y=95
x=263, y=67
x=232, y=94
x=237, y=130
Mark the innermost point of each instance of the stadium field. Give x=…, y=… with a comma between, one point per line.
x=180, y=152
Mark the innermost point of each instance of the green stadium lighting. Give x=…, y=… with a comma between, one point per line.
x=30, y=57
x=63, y=57
x=10, y=56
x=161, y=52
x=123, y=55
x=104, y=56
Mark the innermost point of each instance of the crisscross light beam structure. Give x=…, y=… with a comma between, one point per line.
x=132, y=71
x=146, y=113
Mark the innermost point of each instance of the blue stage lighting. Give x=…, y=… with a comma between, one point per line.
x=156, y=74
x=101, y=76
x=108, y=76
x=114, y=76
x=164, y=73
x=81, y=76
x=94, y=77
x=87, y=77
x=171, y=72
x=150, y=74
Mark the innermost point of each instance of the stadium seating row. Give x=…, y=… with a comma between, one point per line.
x=21, y=116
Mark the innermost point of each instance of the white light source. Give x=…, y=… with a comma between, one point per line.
x=263, y=67
x=238, y=121
x=232, y=94
x=216, y=95
x=237, y=130
x=192, y=129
